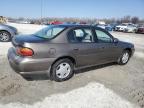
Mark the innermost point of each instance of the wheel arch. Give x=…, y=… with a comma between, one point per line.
x=66, y=57
x=130, y=50
x=6, y=31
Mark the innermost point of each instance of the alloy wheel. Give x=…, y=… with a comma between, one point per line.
x=125, y=57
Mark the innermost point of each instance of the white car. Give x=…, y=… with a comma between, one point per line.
x=130, y=29
x=101, y=26
x=121, y=27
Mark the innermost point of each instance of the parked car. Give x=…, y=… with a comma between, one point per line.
x=56, y=23
x=60, y=49
x=103, y=26
x=23, y=22
x=121, y=27
x=108, y=27
x=82, y=22
x=113, y=25
x=7, y=32
x=140, y=29
x=130, y=28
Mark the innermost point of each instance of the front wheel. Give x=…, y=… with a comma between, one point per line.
x=62, y=70
x=124, y=58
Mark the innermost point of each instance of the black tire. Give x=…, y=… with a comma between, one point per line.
x=5, y=36
x=121, y=61
x=54, y=75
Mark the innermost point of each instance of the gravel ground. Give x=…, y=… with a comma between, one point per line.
x=107, y=86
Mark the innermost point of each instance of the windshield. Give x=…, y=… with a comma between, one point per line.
x=49, y=32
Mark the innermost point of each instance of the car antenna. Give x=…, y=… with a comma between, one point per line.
x=41, y=15
x=41, y=10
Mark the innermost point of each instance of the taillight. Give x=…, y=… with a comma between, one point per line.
x=25, y=51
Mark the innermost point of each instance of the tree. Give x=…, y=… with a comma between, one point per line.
x=135, y=20
x=126, y=19
x=21, y=18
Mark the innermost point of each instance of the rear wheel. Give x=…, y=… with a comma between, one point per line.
x=62, y=70
x=5, y=36
x=124, y=58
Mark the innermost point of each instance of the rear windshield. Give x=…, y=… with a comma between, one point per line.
x=49, y=32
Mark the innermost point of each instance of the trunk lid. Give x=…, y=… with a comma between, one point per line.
x=26, y=45
x=20, y=40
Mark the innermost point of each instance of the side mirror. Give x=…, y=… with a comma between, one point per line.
x=115, y=40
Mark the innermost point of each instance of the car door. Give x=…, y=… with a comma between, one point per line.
x=83, y=46
x=108, y=49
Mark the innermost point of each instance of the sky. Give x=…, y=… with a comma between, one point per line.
x=72, y=8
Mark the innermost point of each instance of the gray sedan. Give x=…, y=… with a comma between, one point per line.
x=59, y=50
x=7, y=32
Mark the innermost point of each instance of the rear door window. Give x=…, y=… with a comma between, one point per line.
x=82, y=35
x=50, y=32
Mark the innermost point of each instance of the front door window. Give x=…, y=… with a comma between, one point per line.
x=103, y=37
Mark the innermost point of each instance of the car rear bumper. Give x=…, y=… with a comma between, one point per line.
x=28, y=65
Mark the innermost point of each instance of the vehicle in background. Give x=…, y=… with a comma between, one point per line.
x=109, y=27
x=7, y=32
x=70, y=23
x=121, y=27
x=140, y=29
x=60, y=49
x=82, y=22
x=130, y=29
x=67, y=22
x=103, y=26
x=23, y=22
x=113, y=25
x=55, y=23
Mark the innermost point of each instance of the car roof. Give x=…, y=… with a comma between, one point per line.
x=78, y=25
x=74, y=25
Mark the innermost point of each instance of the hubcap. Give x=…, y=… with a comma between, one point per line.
x=4, y=36
x=125, y=57
x=63, y=70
